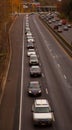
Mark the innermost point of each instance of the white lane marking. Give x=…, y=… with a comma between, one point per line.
x=58, y=65
x=22, y=77
x=50, y=50
x=65, y=76
x=40, y=64
x=46, y=91
x=53, y=118
x=53, y=56
x=40, y=31
x=42, y=75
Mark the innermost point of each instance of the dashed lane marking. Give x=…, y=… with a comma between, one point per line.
x=65, y=76
x=53, y=118
x=58, y=65
x=46, y=91
x=42, y=75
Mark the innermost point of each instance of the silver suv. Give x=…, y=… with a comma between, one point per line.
x=33, y=60
x=42, y=114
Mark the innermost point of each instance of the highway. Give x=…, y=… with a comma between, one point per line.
x=67, y=35
x=54, y=63
x=56, y=80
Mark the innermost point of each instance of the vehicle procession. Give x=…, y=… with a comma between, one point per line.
x=42, y=114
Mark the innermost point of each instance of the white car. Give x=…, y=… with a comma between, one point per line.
x=33, y=60
x=42, y=113
x=30, y=40
x=50, y=21
x=31, y=52
x=29, y=33
x=69, y=25
x=65, y=28
x=27, y=29
x=35, y=71
x=29, y=36
x=59, y=30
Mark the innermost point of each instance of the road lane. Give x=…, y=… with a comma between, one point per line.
x=22, y=76
x=62, y=61
x=60, y=92
x=53, y=63
x=9, y=108
x=67, y=35
x=27, y=122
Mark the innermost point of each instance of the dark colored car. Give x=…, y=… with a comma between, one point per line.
x=33, y=60
x=34, y=88
x=30, y=45
x=64, y=21
x=35, y=71
x=56, y=26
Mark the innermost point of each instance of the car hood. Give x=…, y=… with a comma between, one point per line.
x=35, y=71
x=34, y=61
x=33, y=89
x=42, y=115
x=33, y=53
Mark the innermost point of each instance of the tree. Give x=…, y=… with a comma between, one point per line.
x=67, y=8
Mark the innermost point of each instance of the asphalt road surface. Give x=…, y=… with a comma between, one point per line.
x=56, y=80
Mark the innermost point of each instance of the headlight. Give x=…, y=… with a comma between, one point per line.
x=39, y=91
x=29, y=91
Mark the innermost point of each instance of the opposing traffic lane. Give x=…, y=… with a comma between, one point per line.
x=9, y=108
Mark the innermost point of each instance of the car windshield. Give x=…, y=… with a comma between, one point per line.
x=31, y=50
x=34, y=58
x=42, y=110
x=30, y=43
x=34, y=85
x=35, y=69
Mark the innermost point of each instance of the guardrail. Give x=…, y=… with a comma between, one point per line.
x=62, y=41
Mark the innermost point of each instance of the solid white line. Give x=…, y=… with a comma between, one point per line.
x=58, y=65
x=22, y=75
x=65, y=77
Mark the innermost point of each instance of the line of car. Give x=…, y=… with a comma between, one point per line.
x=42, y=113
x=57, y=24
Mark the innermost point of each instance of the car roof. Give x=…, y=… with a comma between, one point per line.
x=31, y=82
x=41, y=103
x=35, y=66
x=31, y=49
x=33, y=55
